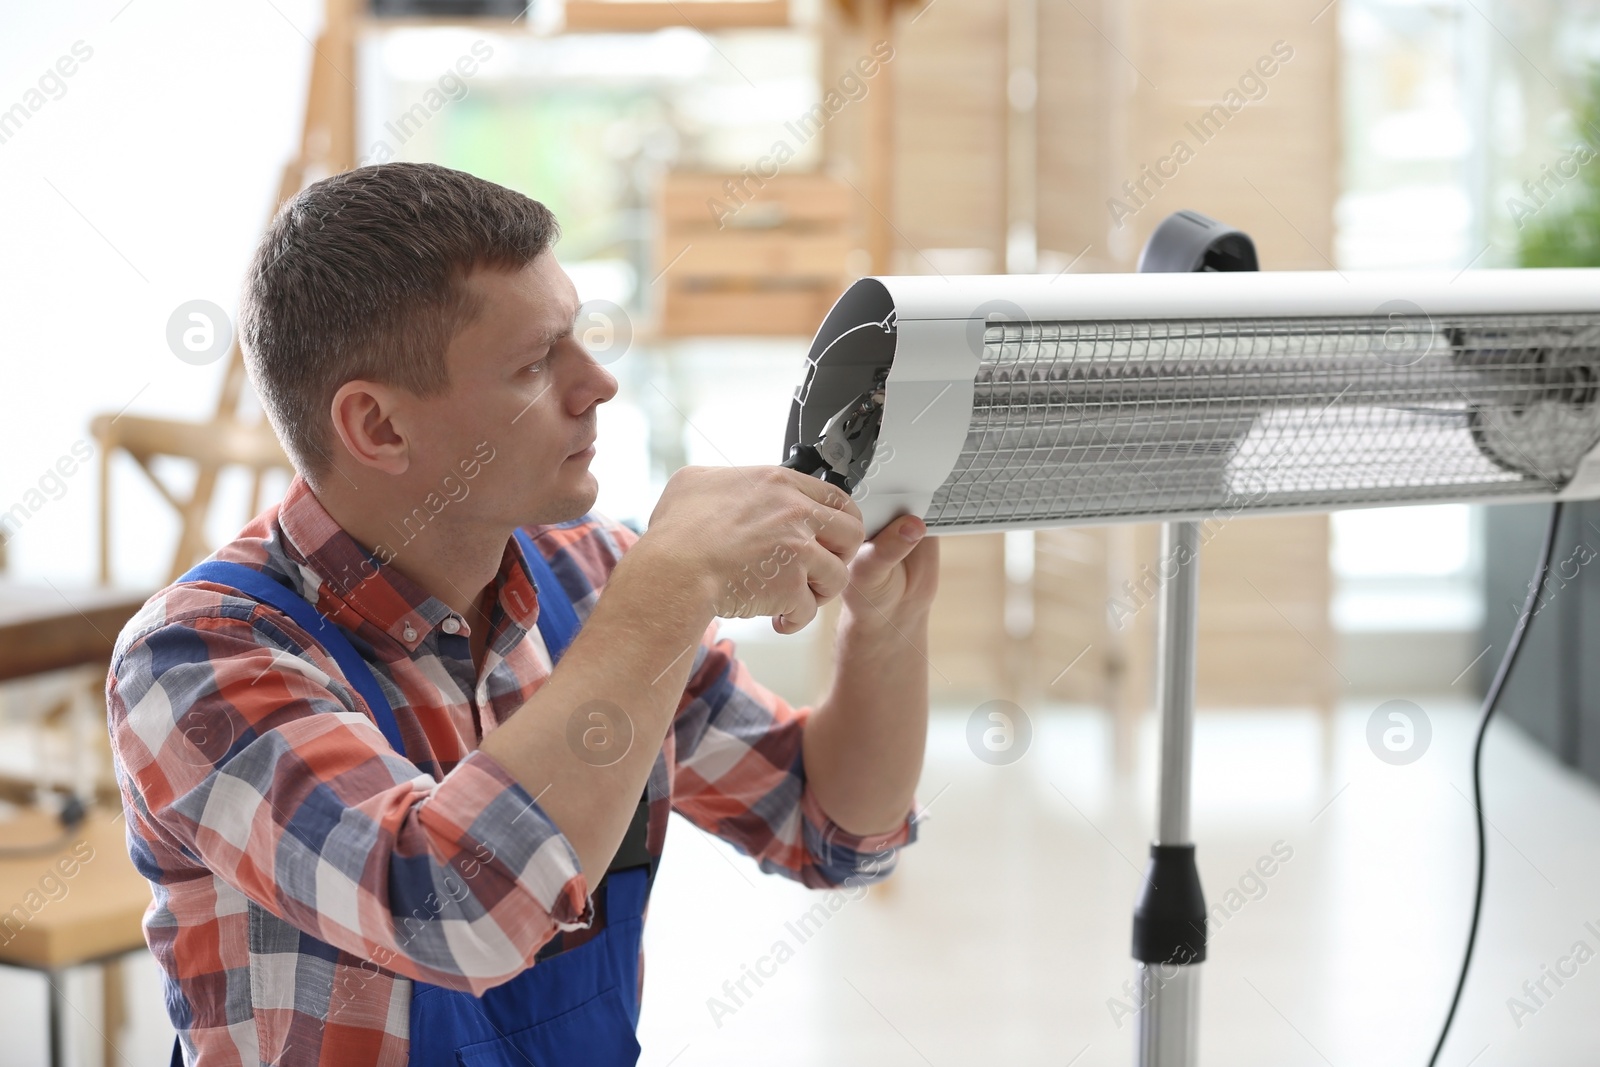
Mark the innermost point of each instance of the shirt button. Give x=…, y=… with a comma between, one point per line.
x=452, y=625
x=409, y=633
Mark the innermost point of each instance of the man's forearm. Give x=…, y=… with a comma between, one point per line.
x=629, y=665
x=863, y=745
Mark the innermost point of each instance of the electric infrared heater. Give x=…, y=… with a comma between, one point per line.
x=1200, y=393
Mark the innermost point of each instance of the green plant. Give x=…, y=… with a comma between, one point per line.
x=1566, y=232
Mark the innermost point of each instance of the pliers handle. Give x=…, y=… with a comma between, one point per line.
x=807, y=460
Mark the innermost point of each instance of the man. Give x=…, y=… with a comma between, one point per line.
x=379, y=826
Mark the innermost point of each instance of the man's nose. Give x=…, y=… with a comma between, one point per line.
x=598, y=386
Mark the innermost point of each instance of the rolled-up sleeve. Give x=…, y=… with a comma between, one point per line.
x=244, y=755
x=738, y=768
x=741, y=775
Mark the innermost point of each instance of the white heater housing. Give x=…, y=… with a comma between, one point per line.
x=1029, y=401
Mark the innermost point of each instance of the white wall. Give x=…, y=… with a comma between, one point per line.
x=144, y=185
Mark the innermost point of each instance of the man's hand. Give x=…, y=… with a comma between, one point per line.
x=863, y=744
x=895, y=575
x=767, y=540
x=731, y=541
x=734, y=541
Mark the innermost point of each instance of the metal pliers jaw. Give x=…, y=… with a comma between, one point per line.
x=845, y=449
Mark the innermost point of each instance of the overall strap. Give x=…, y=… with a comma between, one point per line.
x=558, y=623
x=259, y=586
x=558, y=620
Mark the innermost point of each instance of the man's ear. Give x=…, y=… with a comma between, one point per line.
x=364, y=419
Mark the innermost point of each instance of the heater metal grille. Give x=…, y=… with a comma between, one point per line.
x=1075, y=420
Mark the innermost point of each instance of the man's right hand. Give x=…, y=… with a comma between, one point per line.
x=731, y=541
x=766, y=540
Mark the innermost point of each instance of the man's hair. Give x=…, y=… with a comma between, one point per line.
x=362, y=275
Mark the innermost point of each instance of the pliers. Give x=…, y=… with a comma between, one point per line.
x=845, y=449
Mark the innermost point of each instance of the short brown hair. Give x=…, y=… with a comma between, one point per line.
x=361, y=275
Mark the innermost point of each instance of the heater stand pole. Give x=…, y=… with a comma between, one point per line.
x=1169, y=920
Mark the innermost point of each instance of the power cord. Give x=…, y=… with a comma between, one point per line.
x=1491, y=701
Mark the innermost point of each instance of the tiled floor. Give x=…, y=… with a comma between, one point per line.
x=1005, y=933
x=1004, y=936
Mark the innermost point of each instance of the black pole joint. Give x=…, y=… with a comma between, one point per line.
x=1169, y=922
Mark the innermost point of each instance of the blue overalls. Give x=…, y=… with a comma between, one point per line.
x=580, y=1006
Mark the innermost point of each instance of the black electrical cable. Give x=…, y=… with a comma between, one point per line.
x=1491, y=701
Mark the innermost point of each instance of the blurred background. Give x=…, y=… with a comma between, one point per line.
x=722, y=169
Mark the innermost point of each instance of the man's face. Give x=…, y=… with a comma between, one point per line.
x=506, y=441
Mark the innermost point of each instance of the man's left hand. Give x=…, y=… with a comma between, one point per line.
x=895, y=575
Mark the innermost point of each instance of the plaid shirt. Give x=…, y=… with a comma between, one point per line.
x=304, y=873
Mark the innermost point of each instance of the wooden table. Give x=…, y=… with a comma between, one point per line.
x=45, y=627
x=96, y=919
x=51, y=919
x=48, y=628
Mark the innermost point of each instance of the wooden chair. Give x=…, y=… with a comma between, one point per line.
x=1085, y=649
x=224, y=441
x=776, y=265
x=1266, y=637
x=228, y=439
x=96, y=921
x=327, y=146
x=773, y=264
x=1266, y=625
x=615, y=16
